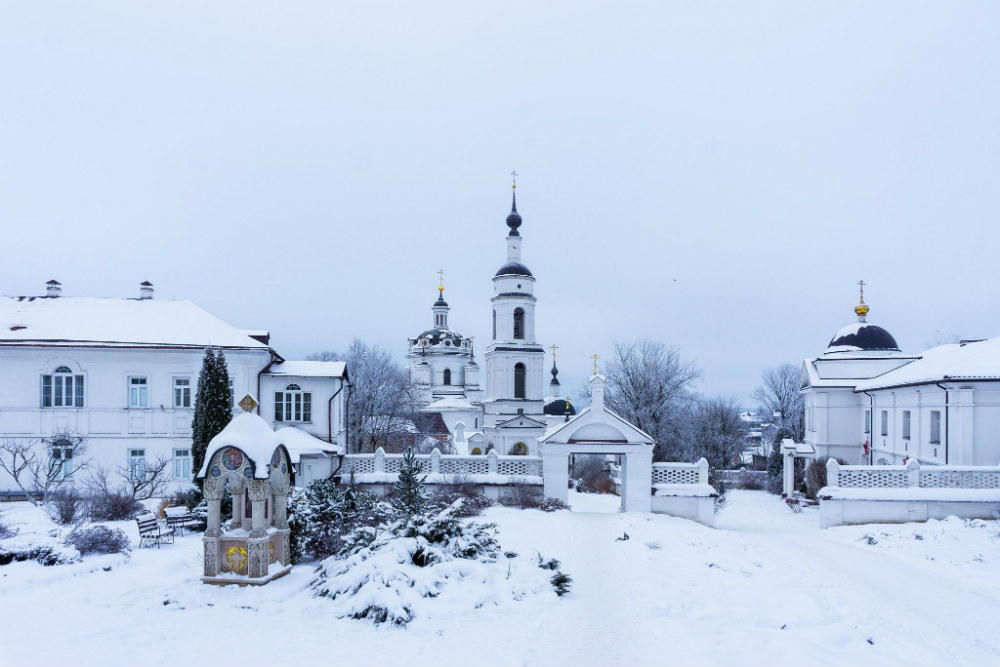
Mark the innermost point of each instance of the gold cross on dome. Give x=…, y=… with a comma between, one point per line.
x=861, y=284
x=595, y=357
x=440, y=280
x=513, y=176
x=553, y=347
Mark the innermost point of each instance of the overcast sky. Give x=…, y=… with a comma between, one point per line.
x=714, y=175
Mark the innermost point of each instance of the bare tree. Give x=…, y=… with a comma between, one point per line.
x=40, y=468
x=718, y=433
x=380, y=394
x=145, y=480
x=650, y=384
x=780, y=393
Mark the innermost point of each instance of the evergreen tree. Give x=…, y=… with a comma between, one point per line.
x=408, y=493
x=213, y=406
x=775, y=466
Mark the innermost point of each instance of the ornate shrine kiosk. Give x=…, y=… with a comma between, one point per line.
x=248, y=461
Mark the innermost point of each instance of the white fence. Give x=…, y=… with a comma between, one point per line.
x=496, y=475
x=893, y=494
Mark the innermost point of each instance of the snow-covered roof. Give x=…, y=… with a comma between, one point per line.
x=970, y=361
x=450, y=403
x=27, y=320
x=326, y=369
x=299, y=443
x=248, y=432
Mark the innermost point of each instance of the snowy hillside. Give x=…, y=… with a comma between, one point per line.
x=765, y=587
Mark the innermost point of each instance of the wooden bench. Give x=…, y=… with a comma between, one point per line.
x=179, y=517
x=151, y=532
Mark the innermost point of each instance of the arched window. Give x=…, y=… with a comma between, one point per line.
x=447, y=376
x=293, y=405
x=519, y=380
x=518, y=323
x=494, y=325
x=520, y=449
x=62, y=389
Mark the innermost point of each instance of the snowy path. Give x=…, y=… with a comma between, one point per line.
x=674, y=593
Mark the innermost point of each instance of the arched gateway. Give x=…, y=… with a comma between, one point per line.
x=597, y=430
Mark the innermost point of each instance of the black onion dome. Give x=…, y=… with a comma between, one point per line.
x=440, y=337
x=560, y=407
x=441, y=301
x=514, y=218
x=513, y=269
x=864, y=336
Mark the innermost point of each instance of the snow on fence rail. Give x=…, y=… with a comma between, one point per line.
x=892, y=494
x=681, y=473
x=491, y=468
x=912, y=475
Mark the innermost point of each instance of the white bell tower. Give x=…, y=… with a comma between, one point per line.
x=514, y=358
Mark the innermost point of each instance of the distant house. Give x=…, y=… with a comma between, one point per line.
x=123, y=373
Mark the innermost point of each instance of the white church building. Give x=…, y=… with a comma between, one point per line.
x=123, y=373
x=867, y=402
x=515, y=407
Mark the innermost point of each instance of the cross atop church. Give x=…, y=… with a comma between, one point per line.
x=513, y=176
x=595, y=358
x=861, y=284
x=440, y=280
x=553, y=347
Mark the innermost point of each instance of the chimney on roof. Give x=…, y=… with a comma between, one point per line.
x=53, y=288
x=145, y=290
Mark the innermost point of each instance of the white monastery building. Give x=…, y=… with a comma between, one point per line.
x=866, y=402
x=122, y=373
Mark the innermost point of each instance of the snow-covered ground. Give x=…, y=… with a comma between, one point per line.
x=766, y=587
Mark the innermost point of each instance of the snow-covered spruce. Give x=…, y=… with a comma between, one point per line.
x=394, y=573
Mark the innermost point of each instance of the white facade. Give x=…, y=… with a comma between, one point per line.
x=123, y=374
x=441, y=364
x=883, y=407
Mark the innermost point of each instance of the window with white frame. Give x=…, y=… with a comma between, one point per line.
x=62, y=389
x=885, y=422
x=137, y=463
x=292, y=405
x=906, y=424
x=182, y=392
x=935, y=427
x=61, y=452
x=232, y=393
x=182, y=464
x=138, y=392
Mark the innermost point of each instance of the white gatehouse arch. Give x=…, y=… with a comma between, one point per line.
x=597, y=430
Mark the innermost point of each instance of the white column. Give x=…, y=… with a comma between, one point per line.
x=555, y=475
x=788, y=471
x=637, y=481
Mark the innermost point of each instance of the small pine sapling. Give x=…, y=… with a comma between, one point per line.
x=408, y=493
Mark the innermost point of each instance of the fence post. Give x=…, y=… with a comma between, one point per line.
x=832, y=472
x=913, y=473
x=435, y=461
x=379, y=460
x=491, y=462
x=702, y=470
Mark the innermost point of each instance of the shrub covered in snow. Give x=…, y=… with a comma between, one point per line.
x=523, y=495
x=99, y=540
x=66, y=506
x=387, y=574
x=322, y=515
x=44, y=554
x=552, y=505
x=113, y=505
